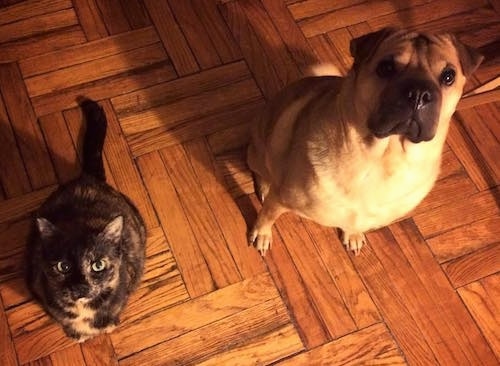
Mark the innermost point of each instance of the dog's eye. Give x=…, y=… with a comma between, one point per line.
x=386, y=68
x=447, y=77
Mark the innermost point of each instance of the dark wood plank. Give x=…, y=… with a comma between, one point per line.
x=13, y=176
x=113, y=16
x=60, y=146
x=26, y=129
x=172, y=37
x=90, y=19
x=196, y=35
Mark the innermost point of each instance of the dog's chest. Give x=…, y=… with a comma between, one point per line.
x=372, y=197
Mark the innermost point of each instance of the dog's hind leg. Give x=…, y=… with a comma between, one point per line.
x=261, y=234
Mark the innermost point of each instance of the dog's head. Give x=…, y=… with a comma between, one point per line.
x=409, y=82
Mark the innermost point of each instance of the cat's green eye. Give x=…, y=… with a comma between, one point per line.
x=63, y=267
x=99, y=265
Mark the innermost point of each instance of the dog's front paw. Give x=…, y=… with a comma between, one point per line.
x=353, y=242
x=261, y=239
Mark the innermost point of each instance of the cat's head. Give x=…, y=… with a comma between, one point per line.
x=80, y=263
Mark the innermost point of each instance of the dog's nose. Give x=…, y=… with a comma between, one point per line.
x=418, y=97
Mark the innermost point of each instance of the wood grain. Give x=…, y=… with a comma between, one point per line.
x=482, y=299
x=181, y=83
x=372, y=345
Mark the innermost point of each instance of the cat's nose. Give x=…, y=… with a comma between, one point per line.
x=80, y=291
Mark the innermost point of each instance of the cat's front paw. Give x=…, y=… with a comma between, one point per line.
x=76, y=336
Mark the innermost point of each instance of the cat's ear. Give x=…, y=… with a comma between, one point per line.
x=113, y=230
x=45, y=227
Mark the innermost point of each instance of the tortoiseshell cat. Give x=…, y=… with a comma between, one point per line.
x=86, y=251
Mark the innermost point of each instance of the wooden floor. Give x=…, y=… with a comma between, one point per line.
x=179, y=81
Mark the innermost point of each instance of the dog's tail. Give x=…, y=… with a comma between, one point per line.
x=93, y=141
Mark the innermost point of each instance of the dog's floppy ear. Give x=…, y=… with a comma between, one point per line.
x=470, y=58
x=365, y=46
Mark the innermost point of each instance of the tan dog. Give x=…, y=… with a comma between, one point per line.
x=359, y=152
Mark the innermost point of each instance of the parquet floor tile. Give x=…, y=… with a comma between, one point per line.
x=180, y=81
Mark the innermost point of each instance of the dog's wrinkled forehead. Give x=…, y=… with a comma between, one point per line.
x=414, y=49
x=417, y=49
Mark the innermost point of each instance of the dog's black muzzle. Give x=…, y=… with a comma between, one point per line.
x=409, y=108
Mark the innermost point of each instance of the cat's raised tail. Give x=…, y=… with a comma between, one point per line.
x=93, y=141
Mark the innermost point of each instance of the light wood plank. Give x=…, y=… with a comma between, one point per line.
x=372, y=345
x=458, y=213
x=227, y=214
x=104, y=88
x=19, y=207
x=7, y=350
x=351, y=15
x=483, y=301
x=88, y=52
x=452, y=321
x=192, y=315
x=182, y=110
x=179, y=234
x=36, y=25
x=99, y=351
x=473, y=266
x=391, y=301
x=14, y=292
x=447, y=190
x=289, y=283
x=207, y=233
x=30, y=9
x=40, y=44
x=340, y=268
x=162, y=137
x=463, y=146
x=125, y=173
x=35, y=334
x=426, y=13
x=319, y=284
x=263, y=349
x=310, y=8
x=94, y=70
x=205, y=342
x=180, y=88
x=465, y=239
x=68, y=356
